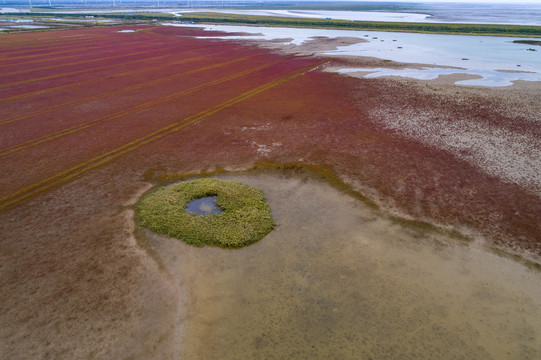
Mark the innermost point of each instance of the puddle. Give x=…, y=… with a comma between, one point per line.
x=486, y=78
x=204, y=206
x=28, y=27
x=334, y=280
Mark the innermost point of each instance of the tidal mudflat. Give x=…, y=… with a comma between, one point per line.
x=318, y=14
x=336, y=279
x=494, y=61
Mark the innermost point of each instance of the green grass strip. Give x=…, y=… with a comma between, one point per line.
x=434, y=28
x=245, y=218
x=431, y=28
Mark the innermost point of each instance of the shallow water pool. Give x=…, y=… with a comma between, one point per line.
x=204, y=206
x=483, y=56
x=337, y=280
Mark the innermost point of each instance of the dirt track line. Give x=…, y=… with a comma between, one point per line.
x=67, y=46
x=41, y=55
x=79, y=62
x=125, y=89
x=45, y=57
x=148, y=104
x=24, y=48
x=81, y=71
x=73, y=172
x=86, y=82
x=48, y=59
x=128, y=88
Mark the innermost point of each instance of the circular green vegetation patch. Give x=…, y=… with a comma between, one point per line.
x=245, y=217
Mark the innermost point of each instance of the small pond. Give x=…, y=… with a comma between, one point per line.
x=204, y=206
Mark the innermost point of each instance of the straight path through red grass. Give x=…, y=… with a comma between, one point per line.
x=117, y=90
x=101, y=51
x=138, y=107
x=136, y=67
x=281, y=70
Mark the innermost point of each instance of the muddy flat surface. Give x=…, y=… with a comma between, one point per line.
x=335, y=280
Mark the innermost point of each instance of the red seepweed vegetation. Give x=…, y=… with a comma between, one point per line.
x=96, y=99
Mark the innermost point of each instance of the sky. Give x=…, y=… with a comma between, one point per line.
x=461, y=1
x=446, y=1
x=466, y=1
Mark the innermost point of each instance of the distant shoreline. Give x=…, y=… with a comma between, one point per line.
x=414, y=27
x=532, y=31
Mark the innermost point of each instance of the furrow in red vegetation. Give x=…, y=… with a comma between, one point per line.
x=44, y=47
x=164, y=60
x=122, y=129
x=85, y=125
x=117, y=90
x=39, y=55
x=81, y=71
x=84, y=50
x=41, y=71
x=85, y=53
x=71, y=173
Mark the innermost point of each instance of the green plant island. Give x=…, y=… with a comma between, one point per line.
x=244, y=219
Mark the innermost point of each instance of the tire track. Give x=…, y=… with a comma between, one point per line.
x=8, y=48
x=125, y=89
x=45, y=57
x=87, y=82
x=78, y=62
x=146, y=105
x=75, y=171
x=83, y=70
x=42, y=55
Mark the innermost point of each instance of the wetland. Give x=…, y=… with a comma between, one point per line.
x=338, y=279
x=353, y=267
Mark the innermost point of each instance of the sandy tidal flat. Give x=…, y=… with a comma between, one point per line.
x=319, y=14
x=497, y=61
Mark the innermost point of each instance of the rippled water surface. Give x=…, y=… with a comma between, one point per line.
x=336, y=280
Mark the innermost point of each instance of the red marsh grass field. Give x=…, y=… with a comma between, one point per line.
x=91, y=116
